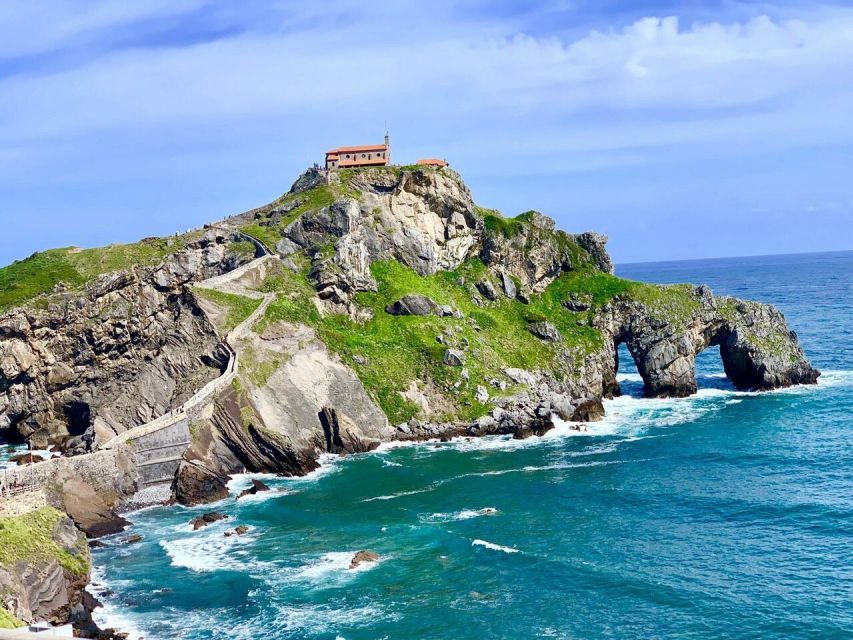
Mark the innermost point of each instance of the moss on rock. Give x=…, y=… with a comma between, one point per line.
x=30, y=538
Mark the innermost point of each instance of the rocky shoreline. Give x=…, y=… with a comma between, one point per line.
x=373, y=306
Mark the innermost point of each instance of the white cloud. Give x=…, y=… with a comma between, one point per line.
x=759, y=83
x=29, y=27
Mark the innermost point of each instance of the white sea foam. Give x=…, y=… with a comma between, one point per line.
x=209, y=551
x=325, y=619
x=464, y=514
x=330, y=566
x=493, y=546
x=400, y=494
x=109, y=615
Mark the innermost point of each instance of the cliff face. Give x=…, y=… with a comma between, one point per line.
x=43, y=576
x=85, y=364
x=394, y=307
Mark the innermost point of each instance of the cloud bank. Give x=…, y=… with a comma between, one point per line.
x=104, y=92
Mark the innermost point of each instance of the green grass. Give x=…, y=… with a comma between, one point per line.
x=269, y=236
x=507, y=227
x=30, y=537
x=400, y=349
x=243, y=248
x=238, y=307
x=268, y=229
x=26, y=279
x=7, y=620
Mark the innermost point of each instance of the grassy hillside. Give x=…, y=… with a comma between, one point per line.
x=29, y=538
x=26, y=279
x=390, y=352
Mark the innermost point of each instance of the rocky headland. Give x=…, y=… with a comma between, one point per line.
x=361, y=307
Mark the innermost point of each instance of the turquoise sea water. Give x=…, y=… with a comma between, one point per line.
x=724, y=515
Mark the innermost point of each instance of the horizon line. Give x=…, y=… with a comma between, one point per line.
x=757, y=255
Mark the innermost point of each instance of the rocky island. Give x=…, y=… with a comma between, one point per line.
x=363, y=306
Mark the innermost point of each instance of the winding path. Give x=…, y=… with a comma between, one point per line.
x=230, y=372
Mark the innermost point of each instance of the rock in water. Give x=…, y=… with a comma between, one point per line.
x=257, y=487
x=412, y=305
x=194, y=484
x=26, y=458
x=362, y=557
x=206, y=519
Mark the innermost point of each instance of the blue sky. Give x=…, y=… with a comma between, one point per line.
x=679, y=129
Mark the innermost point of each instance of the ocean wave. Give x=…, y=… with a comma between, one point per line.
x=493, y=546
x=464, y=514
x=399, y=494
x=110, y=615
x=212, y=551
x=326, y=619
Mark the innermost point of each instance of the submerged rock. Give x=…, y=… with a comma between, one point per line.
x=361, y=557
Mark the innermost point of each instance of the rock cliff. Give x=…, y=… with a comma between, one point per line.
x=79, y=366
x=397, y=308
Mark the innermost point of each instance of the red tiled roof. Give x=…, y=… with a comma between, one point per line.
x=365, y=147
x=433, y=161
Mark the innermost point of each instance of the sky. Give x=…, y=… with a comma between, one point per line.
x=679, y=129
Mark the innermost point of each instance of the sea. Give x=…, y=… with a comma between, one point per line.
x=724, y=515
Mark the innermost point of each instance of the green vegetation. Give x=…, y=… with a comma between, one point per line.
x=399, y=349
x=243, y=248
x=238, y=307
x=30, y=537
x=8, y=621
x=673, y=303
x=269, y=227
x=507, y=227
x=256, y=365
x=26, y=279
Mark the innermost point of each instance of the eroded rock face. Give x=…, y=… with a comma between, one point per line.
x=41, y=589
x=309, y=403
x=128, y=348
x=422, y=219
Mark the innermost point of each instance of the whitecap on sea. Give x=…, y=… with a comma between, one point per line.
x=493, y=546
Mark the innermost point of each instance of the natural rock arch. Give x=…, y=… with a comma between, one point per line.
x=757, y=349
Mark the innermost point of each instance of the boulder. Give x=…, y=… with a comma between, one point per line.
x=361, y=557
x=206, y=519
x=256, y=487
x=453, y=358
x=510, y=290
x=413, y=305
x=195, y=484
x=26, y=458
x=487, y=289
x=578, y=302
x=520, y=376
x=134, y=539
x=544, y=331
x=482, y=395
